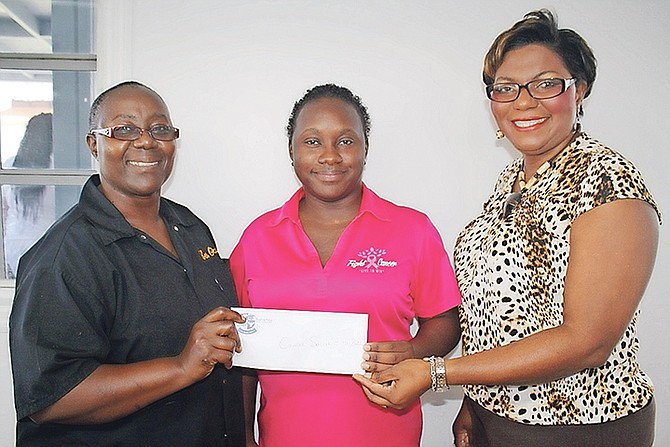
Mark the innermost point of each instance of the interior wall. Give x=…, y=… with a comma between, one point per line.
x=230, y=72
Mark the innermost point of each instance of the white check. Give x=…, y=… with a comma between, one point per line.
x=296, y=340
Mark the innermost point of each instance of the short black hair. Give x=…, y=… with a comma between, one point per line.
x=329, y=91
x=96, y=105
x=540, y=27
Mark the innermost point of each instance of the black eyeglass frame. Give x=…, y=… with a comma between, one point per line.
x=110, y=132
x=565, y=85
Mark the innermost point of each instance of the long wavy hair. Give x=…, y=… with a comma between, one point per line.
x=34, y=152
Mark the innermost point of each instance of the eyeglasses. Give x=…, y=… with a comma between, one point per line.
x=126, y=132
x=510, y=203
x=538, y=89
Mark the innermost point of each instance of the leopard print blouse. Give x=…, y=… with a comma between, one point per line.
x=511, y=273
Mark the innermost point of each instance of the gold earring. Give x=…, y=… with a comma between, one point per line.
x=499, y=134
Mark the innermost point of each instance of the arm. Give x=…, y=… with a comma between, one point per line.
x=433, y=288
x=436, y=336
x=114, y=391
x=612, y=252
x=249, y=385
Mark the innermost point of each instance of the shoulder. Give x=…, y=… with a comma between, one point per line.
x=180, y=211
x=70, y=252
x=71, y=233
x=593, y=156
x=267, y=218
x=600, y=174
x=263, y=228
x=405, y=222
x=385, y=209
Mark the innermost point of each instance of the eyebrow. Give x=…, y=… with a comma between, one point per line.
x=537, y=76
x=131, y=116
x=315, y=130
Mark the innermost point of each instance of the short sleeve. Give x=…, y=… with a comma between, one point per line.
x=610, y=177
x=434, y=287
x=56, y=336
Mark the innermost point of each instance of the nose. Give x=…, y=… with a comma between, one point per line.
x=145, y=140
x=330, y=154
x=525, y=100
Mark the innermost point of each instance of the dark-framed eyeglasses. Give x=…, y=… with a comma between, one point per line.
x=127, y=132
x=537, y=88
x=511, y=202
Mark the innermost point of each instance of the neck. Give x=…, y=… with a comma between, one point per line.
x=137, y=210
x=533, y=164
x=334, y=213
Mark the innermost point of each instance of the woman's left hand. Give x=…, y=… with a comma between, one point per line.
x=381, y=356
x=397, y=387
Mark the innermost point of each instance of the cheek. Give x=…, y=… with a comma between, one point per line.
x=563, y=105
x=109, y=154
x=171, y=151
x=498, y=110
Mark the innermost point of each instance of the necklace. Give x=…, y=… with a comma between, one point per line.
x=514, y=198
x=522, y=175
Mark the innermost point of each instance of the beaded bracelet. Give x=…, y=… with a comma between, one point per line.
x=438, y=374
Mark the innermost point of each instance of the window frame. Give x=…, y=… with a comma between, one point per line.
x=48, y=62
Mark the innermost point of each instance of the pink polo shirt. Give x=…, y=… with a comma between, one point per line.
x=389, y=263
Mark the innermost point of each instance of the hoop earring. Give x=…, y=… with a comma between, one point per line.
x=499, y=134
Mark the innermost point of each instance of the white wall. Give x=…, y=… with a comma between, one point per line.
x=230, y=71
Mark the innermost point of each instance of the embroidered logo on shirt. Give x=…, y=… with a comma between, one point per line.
x=372, y=261
x=207, y=253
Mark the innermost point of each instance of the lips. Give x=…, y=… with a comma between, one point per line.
x=143, y=164
x=329, y=175
x=526, y=124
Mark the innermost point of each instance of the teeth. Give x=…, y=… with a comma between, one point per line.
x=143, y=164
x=528, y=123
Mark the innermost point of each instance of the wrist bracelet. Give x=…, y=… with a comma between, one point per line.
x=438, y=374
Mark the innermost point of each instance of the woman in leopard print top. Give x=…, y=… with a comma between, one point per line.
x=552, y=270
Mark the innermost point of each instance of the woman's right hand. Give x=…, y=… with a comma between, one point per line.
x=213, y=339
x=398, y=386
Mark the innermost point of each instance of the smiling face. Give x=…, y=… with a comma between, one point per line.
x=137, y=168
x=328, y=150
x=537, y=128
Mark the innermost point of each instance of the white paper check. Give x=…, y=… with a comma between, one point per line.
x=296, y=340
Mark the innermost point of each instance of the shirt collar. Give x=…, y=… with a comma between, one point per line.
x=370, y=203
x=109, y=221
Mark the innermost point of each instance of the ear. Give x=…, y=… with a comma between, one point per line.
x=92, y=143
x=580, y=93
x=290, y=151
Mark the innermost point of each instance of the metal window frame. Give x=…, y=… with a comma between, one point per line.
x=46, y=62
x=49, y=61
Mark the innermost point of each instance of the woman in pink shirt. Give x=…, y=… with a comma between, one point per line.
x=336, y=246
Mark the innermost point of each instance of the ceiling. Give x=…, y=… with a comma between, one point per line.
x=25, y=26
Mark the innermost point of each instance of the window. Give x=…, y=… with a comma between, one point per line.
x=46, y=83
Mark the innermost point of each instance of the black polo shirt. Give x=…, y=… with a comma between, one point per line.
x=96, y=291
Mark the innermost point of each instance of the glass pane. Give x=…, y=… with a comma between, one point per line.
x=46, y=26
x=44, y=119
x=29, y=210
